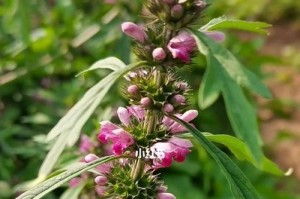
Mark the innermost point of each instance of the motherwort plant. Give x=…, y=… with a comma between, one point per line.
x=152, y=132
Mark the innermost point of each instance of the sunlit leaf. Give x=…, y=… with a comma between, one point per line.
x=226, y=23
x=240, y=185
x=69, y=127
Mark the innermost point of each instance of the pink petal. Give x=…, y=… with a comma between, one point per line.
x=123, y=115
x=165, y=195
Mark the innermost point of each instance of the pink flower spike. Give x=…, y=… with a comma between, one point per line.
x=134, y=31
x=165, y=195
x=215, y=35
x=123, y=115
x=108, y=125
x=101, y=180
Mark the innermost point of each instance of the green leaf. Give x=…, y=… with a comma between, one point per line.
x=109, y=63
x=240, y=185
x=69, y=126
x=241, y=151
x=225, y=23
x=225, y=74
x=49, y=185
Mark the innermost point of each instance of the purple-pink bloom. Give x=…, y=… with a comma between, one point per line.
x=182, y=46
x=123, y=115
x=134, y=31
x=175, y=148
x=158, y=54
x=100, y=190
x=75, y=182
x=103, y=168
x=85, y=144
x=174, y=127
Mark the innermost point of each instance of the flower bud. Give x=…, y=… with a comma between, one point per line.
x=101, y=180
x=177, y=11
x=158, y=54
x=132, y=89
x=182, y=86
x=90, y=157
x=165, y=195
x=168, y=108
x=146, y=101
x=179, y=99
x=134, y=31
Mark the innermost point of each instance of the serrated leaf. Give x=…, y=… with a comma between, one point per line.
x=70, y=125
x=107, y=63
x=49, y=185
x=226, y=23
x=240, y=185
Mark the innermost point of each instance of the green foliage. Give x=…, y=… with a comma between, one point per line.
x=240, y=186
x=226, y=75
x=42, y=189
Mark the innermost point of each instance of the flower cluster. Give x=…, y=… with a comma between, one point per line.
x=154, y=92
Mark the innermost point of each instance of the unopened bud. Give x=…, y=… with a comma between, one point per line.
x=177, y=11
x=158, y=54
x=134, y=31
x=179, y=99
x=132, y=89
x=101, y=180
x=168, y=108
x=183, y=86
x=146, y=101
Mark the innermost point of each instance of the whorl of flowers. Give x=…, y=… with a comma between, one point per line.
x=153, y=92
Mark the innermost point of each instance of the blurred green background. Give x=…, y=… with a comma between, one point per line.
x=44, y=44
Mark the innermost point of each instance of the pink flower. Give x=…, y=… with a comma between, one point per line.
x=100, y=190
x=182, y=46
x=137, y=112
x=123, y=115
x=103, y=168
x=215, y=35
x=134, y=31
x=165, y=195
x=85, y=144
x=175, y=148
x=75, y=182
x=158, y=54
x=174, y=127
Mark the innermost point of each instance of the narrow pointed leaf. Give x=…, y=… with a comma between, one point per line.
x=49, y=185
x=240, y=185
x=70, y=125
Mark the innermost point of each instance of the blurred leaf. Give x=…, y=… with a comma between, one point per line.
x=230, y=75
x=109, y=63
x=240, y=186
x=225, y=23
x=68, y=128
x=42, y=189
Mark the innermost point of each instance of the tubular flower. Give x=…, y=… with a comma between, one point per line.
x=134, y=31
x=175, y=148
x=182, y=46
